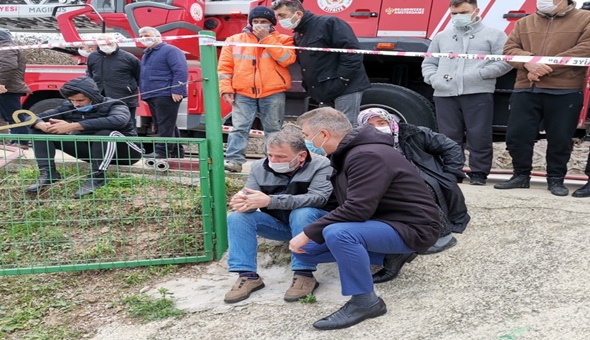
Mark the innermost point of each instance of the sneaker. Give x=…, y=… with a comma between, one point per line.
x=300, y=288
x=477, y=178
x=232, y=166
x=242, y=289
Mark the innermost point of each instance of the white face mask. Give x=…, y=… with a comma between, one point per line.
x=151, y=43
x=265, y=26
x=108, y=49
x=284, y=167
x=83, y=52
x=462, y=20
x=384, y=129
x=288, y=24
x=547, y=6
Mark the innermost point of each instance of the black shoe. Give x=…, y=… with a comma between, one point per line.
x=555, y=185
x=477, y=178
x=517, y=181
x=46, y=179
x=442, y=244
x=350, y=315
x=95, y=181
x=153, y=155
x=392, y=264
x=583, y=191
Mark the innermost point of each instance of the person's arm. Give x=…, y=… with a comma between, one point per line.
x=8, y=66
x=225, y=69
x=317, y=195
x=364, y=189
x=447, y=149
x=496, y=69
x=56, y=113
x=135, y=67
x=580, y=50
x=282, y=56
x=179, y=68
x=514, y=46
x=117, y=118
x=343, y=37
x=430, y=64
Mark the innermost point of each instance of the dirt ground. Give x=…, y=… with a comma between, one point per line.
x=518, y=272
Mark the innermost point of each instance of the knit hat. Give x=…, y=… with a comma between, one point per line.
x=5, y=34
x=262, y=12
x=365, y=115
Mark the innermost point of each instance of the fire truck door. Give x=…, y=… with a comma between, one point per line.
x=405, y=18
x=361, y=15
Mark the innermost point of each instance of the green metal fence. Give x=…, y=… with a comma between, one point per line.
x=146, y=214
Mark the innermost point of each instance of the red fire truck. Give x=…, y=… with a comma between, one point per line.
x=388, y=25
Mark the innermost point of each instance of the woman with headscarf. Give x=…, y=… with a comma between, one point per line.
x=438, y=159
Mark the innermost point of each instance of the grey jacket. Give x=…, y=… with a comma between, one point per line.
x=12, y=66
x=309, y=186
x=456, y=77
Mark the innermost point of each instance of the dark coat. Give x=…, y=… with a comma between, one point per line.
x=163, y=68
x=327, y=75
x=12, y=66
x=109, y=114
x=440, y=162
x=115, y=74
x=373, y=181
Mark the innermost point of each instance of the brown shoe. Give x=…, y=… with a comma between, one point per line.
x=242, y=289
x=300, y=288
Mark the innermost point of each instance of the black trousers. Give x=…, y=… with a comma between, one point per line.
x=470, y=115
x=99, y=154
x=560, y=115
x=10, y=102
x=587, y=172
x=164, y=112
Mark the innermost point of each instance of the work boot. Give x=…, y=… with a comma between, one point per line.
x=95, y=181
x=517, y=181
x=242, y=289
x=300, y=288
x=232, y=166
x=46, y=179
x=477, y=178
x=555, y=185
x=583, y=191
x=392, y=264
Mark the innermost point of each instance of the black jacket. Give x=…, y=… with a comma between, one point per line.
x=373, y=181
x=439, y=161
x=327, y=75
x=116, y=75
x=107, y=114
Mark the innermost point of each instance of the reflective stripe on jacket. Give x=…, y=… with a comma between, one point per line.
x=256, y=72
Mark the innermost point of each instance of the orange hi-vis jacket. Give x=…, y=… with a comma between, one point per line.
x=256, y=72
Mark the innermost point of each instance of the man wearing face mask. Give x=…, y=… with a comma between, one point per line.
x=330, y=79
x=86, y=112
x=284, y=193
x=163, y=85
x=254, y=80
x=116, y=73
x=463, y=89
x=548, y=93
x=85, y=51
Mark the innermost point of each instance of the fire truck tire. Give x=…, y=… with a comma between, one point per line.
x=406, y=105
x=46, y=104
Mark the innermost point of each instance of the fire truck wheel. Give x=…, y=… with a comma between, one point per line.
x=406, y=105
x=46, y=104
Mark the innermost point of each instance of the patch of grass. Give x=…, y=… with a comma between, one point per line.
x=102, y=248
x=54, y=333
x=148, y=308
x=309, y=298
x=143, y=274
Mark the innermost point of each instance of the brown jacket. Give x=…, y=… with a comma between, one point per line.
x=566, y=34
x=12, y=69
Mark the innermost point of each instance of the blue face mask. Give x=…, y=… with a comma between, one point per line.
x=313, y=149
x=85, y=108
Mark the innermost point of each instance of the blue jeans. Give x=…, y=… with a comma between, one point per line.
x=349, y=104
x=242, y=229
x=355, y=246
x=271, y=111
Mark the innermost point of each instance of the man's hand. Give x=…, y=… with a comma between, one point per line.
x=260, y=32
x=249, y=199
x=536, y=71
x=42, y=126
x=298, y=242
x=3, y=89
x=61, y=127
x=228, y=98
x=237, y=201
x=176, y=97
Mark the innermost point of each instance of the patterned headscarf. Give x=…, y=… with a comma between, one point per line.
x=365, y=115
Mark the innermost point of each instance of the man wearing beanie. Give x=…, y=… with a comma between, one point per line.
x=254, y=80
x=12, y=85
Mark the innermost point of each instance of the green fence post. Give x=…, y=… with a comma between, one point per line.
x=214, y=141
